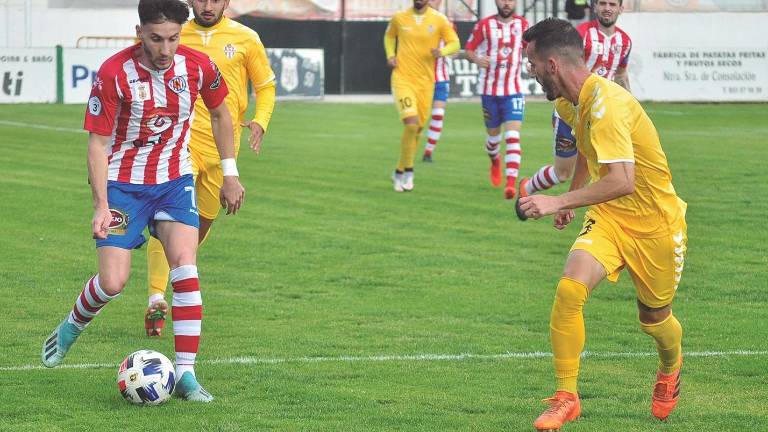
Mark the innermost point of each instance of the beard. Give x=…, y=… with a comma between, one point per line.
x=419, y=4
x=504, y=14
x=606, y=22
x=547, y=85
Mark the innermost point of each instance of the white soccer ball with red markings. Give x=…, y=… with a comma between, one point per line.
x=146, y=378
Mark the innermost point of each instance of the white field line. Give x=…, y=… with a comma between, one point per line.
x=405, y=358
x=40, y=126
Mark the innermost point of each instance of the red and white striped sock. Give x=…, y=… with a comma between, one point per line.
x=545, y=178
x=492, y=146
x=435, y=130
x=187, y=312
x=513, y=156
x=89, y=303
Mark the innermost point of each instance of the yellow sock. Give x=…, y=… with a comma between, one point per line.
x=566, y=328
x=669, y=336
x=408, y=146
x=157, y=267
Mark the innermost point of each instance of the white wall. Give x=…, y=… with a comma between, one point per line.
x=52, y=27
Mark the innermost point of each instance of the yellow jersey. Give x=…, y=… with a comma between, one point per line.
x=610, y=126
x=416, y=35
x=240, y=56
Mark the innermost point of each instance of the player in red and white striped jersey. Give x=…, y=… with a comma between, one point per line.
x=496, y=46
x=606, y=52
x=138, y=115
x=440, y=98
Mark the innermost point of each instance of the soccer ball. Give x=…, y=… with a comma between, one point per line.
x=146, y=378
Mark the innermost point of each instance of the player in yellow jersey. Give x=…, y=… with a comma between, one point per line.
x=240, y=56
x=635, y=220
x=412, y=43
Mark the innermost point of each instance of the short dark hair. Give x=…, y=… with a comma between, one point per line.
x=157, y=11
x=553, y=34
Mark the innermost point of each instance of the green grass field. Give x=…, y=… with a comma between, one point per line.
x=335, y=304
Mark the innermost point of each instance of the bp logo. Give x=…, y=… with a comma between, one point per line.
x=177, y=84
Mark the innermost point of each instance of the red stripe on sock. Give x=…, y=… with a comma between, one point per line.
x=185, y=313
x=188, y=344
x=186, y=285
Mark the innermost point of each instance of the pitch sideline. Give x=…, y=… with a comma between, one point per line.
x=404, y=358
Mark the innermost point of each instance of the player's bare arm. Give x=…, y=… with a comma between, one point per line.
x=256, y=136
x=232, y=192
x=97, y=175
x=622, y=78
x=479, y=60
x=619, y=181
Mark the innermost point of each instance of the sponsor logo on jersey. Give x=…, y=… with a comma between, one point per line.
x=159, y=123
x=229, y=51
x=430, y=29
x=118, y=223
x=177, y=84
x=94, y=106
x=216, y=82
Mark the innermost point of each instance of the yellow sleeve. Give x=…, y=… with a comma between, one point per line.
x=610, y=130
x=265, y=105
x=390, y=38
x=451, y=39
x=263, y=81
x=566, y=111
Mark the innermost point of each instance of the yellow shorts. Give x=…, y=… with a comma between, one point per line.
x=655, y=264
x=208, y=177
x=413, y=100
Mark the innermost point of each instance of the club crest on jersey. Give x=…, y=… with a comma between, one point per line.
x=141, y=91
x=598, y=48
x=430, y=29
x=118, y=223
x=616, y=49
x=177, y=84
x=229, y=51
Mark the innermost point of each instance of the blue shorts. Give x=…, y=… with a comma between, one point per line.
x=563, y=141
x=136, y=206
x=501, y=109
x=442, y=90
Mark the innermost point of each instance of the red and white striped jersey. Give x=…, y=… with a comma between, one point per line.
x=441, y=64
x=502, y=43
x=147, y=113
x=441, y=67
x=605, y=54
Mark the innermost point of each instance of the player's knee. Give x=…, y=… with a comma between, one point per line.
x=648, y=315
x=112, y=283
x=571, y=292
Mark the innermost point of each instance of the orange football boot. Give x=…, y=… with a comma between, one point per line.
x=154, y=318
x=496, y=172
x=509, y=191
x=666, y=393
x=563, y=407
x=523, y=193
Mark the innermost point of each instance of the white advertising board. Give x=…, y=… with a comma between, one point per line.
x=80, y=67
x=700, y=74
x=27, y=75
x=299, y=72
x=689, y=57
